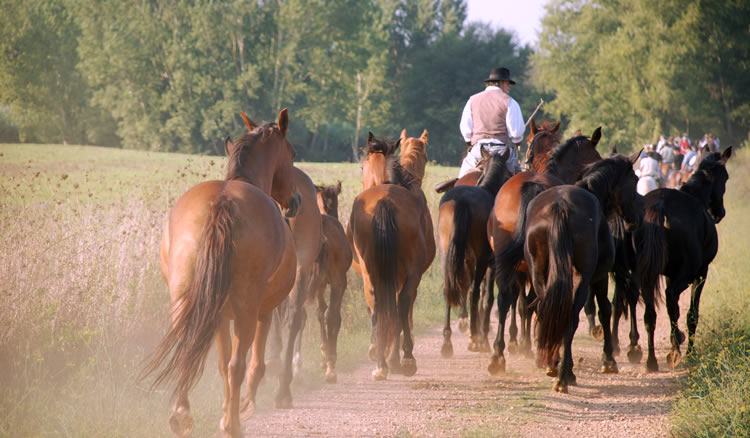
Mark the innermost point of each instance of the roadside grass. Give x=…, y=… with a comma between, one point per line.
x=83, y=298
x=715, y=397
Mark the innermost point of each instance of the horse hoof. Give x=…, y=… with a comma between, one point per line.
x=446, y=350
x=496, y=366
x=283, y=401
x=674, y=358
x=610, y=367
x=330, y=376
x=371, y=353
x=680, y=337
x=652, y=365
x=552, y=372
x=379, y=374
x=560, y=386
x=181, y=422
x=409, y=367
x=597, y=332
x=463, y=324
x=513, y=346
x=635, y=354
x=473, y=346
x=394, y=367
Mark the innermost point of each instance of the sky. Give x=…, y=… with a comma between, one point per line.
x=524, y=17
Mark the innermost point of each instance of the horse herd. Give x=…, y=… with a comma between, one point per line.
x=235, y=249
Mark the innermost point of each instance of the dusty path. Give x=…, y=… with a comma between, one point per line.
x=457, y=397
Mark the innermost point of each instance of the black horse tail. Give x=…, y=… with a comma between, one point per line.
x=456, y=277
x=652, y=259
x=555, y=303
x=198, y=314
x=511, y=256
x=385, y=273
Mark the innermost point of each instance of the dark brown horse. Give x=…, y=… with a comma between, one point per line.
x=215, y=274
x=464, y=249
x=569, y=251
x=564, y=166
x=390, y=232
x=537, y=156
x=678, y=240
x=330, y=269
x=307, y=229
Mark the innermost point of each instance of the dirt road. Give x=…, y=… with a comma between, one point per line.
x=457, y=397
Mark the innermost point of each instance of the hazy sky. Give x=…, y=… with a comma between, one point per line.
x=524, y=16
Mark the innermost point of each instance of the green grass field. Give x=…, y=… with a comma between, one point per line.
x=83, y=300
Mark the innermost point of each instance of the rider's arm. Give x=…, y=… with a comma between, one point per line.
x=514, y=122
x=467, y=125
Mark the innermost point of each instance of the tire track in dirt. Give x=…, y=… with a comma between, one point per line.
x=457, y=397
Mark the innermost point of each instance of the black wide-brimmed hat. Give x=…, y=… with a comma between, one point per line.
x=500, y=74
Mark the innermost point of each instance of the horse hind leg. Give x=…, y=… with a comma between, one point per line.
x=257, y=368
x=590, y=310
x=283, y=399
x=181, y=422
x=333, y=323
x=479, y=340
x=405, y=303
x=513, y=328
x=599, y=290
x=692, y=316
x=244, y=332
x=677, y=337
x=446, y=350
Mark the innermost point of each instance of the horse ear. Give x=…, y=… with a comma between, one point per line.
x=249, y=123
x=425, y=136
x=228, y=146
x=337, y=187
x=283, y=121
x=596, y=136
x=370, y=137
x=506, y=154
x=613, y=151
x=633, y=158
x=532, y=126
x=403, y=134
x=395, y=146
x=556, y=128
x=726, y=154
x=319, y=188
x=484, y=153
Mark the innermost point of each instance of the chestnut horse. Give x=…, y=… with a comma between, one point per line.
x=569, y=251
x=307, y=229
x=330, y=268
x=464, y=249
x=390, y=232
x=214, y=272
x=678, y=240
x=564, y=165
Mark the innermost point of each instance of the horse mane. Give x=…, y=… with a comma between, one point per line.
x=555, y=157
x=494, y=174
x=599, y=177
x=244, y=144
x=398, y=175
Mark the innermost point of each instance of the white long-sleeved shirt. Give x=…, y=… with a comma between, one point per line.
x=513, y=120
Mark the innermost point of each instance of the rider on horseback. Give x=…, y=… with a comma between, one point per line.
x=492, y=120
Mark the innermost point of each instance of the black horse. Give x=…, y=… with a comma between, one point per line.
x=678, y=239
x=569, y=251
x=465, y=251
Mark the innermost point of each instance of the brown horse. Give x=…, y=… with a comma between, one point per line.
x=536, y=157
x=214, y=272
x=564, y=165
x=330, y=268
x=390, y=232
x=307, y=229
x=569, y=251
x=464, y=250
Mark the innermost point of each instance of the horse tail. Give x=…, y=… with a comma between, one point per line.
x=385, y=278
x=555, y=304
x=512, y=255
x=652, y=259
x=199, y=312
x=456, y=277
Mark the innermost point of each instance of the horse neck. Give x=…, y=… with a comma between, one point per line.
x=699, y=187
x=539, y=163
x=495, y=178
x=414, y=162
